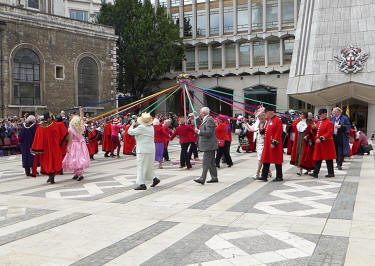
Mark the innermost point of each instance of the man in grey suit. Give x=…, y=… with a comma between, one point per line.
x=208, y=144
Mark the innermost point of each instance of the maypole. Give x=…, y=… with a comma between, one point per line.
x=182, y=80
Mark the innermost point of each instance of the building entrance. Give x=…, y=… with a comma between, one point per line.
x=220, y=107
x=358, y=113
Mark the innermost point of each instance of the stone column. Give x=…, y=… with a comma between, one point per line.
x=370, y=119
x=181, y=11
x=237, y=47
x=223, y=56
x=209, y=56
x=235, y=19
x=207, y=18
x=279, y=15
x=221, y=17
x=194, y=24
x=196, y=54
x=184, y=66
x=251, y=54
x=281, y=52
x=266, y=53
x=249, y=17
x=295, y=13
x=264, y=16
x=169, y=8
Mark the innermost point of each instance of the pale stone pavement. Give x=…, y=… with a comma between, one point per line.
x=238, y=221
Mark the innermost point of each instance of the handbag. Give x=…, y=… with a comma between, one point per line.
x=220, y=143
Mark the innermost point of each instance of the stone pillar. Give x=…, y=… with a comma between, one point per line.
x=196, y=54
x=249, y=17
x=169, y=8
x=184, y=66
x=264, y=16
x=370, y=119
x=194, y=24
x=207, y=18
x=181, y=12
x=237, y=47
x=221, y=17
x=209, y=57
x=223, y=56
x=279, y=15
x=251, y=54
x=281, y=52
x=235, y=19
x=295, y=13
x=281, y=99
x=266, y=53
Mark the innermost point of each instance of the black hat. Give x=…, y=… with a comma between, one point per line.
x=46, y=115
x=270, y=108
x=322, y=111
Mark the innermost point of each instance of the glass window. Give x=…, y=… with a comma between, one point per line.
x=272, y=19
x=190, y=59
x=257, y=16
x=245, y=54
x=216, y=56
x=230, y=55
x=88, y=91
x=26, y=78
x=259, y=53
x=287, y=13
x=163, y=3
x=242, y=18
x=175, y=18
x=288, y=50
x=201, y=23
x=188, y=19
x=274, y=52
x=79, y=15
x=203, y=57
x=228, y=19
x=33, y=4
x=175, y=3
x=214, y=21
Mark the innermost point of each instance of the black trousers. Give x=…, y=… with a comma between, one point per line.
x=339, y=150
x=224, y=151
x=193, y=150
x=165, y=153
x=329, y=163
x=266, y=169
x=184, y=159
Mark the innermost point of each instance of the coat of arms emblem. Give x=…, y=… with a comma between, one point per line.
x=351, y=59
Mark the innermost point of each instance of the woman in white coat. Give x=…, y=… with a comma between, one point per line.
x=145, y=148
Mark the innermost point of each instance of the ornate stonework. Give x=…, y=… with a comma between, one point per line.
x=351, y=59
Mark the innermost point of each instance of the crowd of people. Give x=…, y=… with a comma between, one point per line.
x=68, y=144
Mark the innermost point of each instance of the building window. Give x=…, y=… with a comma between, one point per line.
x=216, y=56
x=203, y=57
x=288, y=50
x=214, y=21
x=59, y=72
x=259, y=53
x=201, y=23
x=188, y=19
x=175, y=3
x=274, y=52
x=242, y=18
x=175, y=18
x=230, y=55
x=190, y=59
x=33, y=4
x=88, y=91
x=26, y=78
x=228, y=19
x=259, y=93
x=245, y=54
x=257, y=15
x=287, y=13
x=79, y=15
x=272, y=20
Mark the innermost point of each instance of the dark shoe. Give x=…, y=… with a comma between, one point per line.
x=213, y=180
x=31, y=175
x=49, y=179
x=52, y=180
x=230, y=165
x=75, y=177
x=141, y=187
x=199, y=180
x=261, y=179
x=299, y=174
x=329, y=175
x=306, y=173
x=238, y=150
x=314, y=175
x=80, y=178
x=106, y=155
x=27, y=171
x=217, y=166
x=155, y=182
x=339, y=167
x=278, y=180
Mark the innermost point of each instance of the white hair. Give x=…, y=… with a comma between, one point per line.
x=167, y=121
x=30, y=119
x=156, y=122
x=205, y=110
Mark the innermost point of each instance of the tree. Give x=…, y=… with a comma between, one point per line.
x=148, y=43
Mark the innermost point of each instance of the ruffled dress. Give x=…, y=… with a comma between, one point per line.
x=78, y=156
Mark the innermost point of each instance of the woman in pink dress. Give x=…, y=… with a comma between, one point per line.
x=77, y=157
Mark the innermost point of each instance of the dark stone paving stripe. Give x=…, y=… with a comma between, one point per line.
x=343, y=207
x=115, y=250
x=218, y=196
x=30, y=214
x=330, y=250
x=6, y=239
x=149, y=191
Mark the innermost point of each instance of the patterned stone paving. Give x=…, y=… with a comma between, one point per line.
x=238, y=221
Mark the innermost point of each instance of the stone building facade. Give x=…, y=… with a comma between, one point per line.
x=54, y=63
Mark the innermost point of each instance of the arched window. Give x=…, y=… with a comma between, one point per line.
x=88, y=92
x=26, y=78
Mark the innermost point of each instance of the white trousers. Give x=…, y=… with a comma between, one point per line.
x=145, y=168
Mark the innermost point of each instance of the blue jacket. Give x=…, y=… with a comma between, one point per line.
x=343, y=132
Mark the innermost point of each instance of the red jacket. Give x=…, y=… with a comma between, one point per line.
x=185, y=132
x=325, y=150
x=160, y=135
x=222, y=131
x=273, y=132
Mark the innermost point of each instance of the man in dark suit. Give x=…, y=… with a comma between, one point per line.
x=207, y=144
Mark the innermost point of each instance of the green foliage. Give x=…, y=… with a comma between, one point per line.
x=148, y=43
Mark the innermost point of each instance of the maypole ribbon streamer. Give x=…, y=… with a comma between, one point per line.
x=191, y=104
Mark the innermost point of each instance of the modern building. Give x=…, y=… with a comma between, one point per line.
x=50, y=62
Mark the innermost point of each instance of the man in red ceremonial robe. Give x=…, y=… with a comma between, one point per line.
x=324, y=145
x=273, y=145
x=91, y=136
x=107, y=139
x=129, y=142
x=47, y=142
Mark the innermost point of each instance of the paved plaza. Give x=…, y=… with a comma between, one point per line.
x=238, y=221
